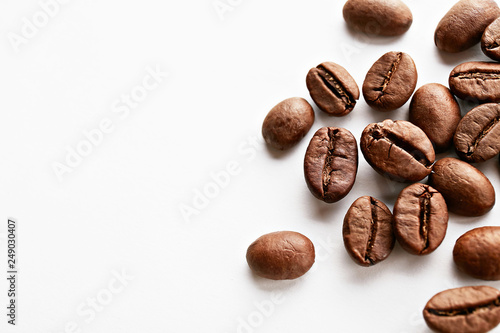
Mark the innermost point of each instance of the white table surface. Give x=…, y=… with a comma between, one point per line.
x=103, y=243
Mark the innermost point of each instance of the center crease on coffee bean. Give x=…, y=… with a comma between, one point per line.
x=465, y=311
x=425, y=215
x=472, y=149
x=336, y=87
x=492, y=46
x=478, y=76
x=388, y=77
x=373, y=231
x=378, y=134
x=328, y=168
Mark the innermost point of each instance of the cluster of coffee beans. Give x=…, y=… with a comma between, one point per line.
x=403, y=151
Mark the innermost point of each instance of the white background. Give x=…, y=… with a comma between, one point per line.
x=119, y=210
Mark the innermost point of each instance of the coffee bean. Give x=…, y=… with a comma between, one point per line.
x=477, y=138
x=390, y=81
x=420, y=219
x=477, y=253
x=367, y=231
x=466, y=190
x=490, y=42
x=467, y=309
x=287, y=123
x=331, y=163
x=398, y=149
x=332, y=88
x=476, y=80
x=379, y=17
x=282, y=255
x=464, y=24
x=434, y=109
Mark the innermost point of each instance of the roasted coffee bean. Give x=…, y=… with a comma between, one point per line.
x=479, y=81
x=466, y=190
x=390, y=81
x=434, y=109
x=464, y=24
x=398, y=149
x=477, y=137
x=420, y=219
x=464, y=310
x=331, y=163
x=477, y=253
x=332, y=88
x=379, y=17
x=367, y=231
x=287, y=123
x=282, y=255
x=490, y=42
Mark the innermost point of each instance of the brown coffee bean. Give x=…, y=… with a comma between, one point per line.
x=466, y=190
x=331, y=163
x=367, y=231
x=465, y=310
x=390, y=81
x=398, y=149
x=420, y=219
x=287, y=123
x=282, y=255
x=332, y=88
x=476, y=80
x=477, y=138
x=434, y=109
x=464, y=24
x=490, y=42
x=477, y=253
x=379, y=17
